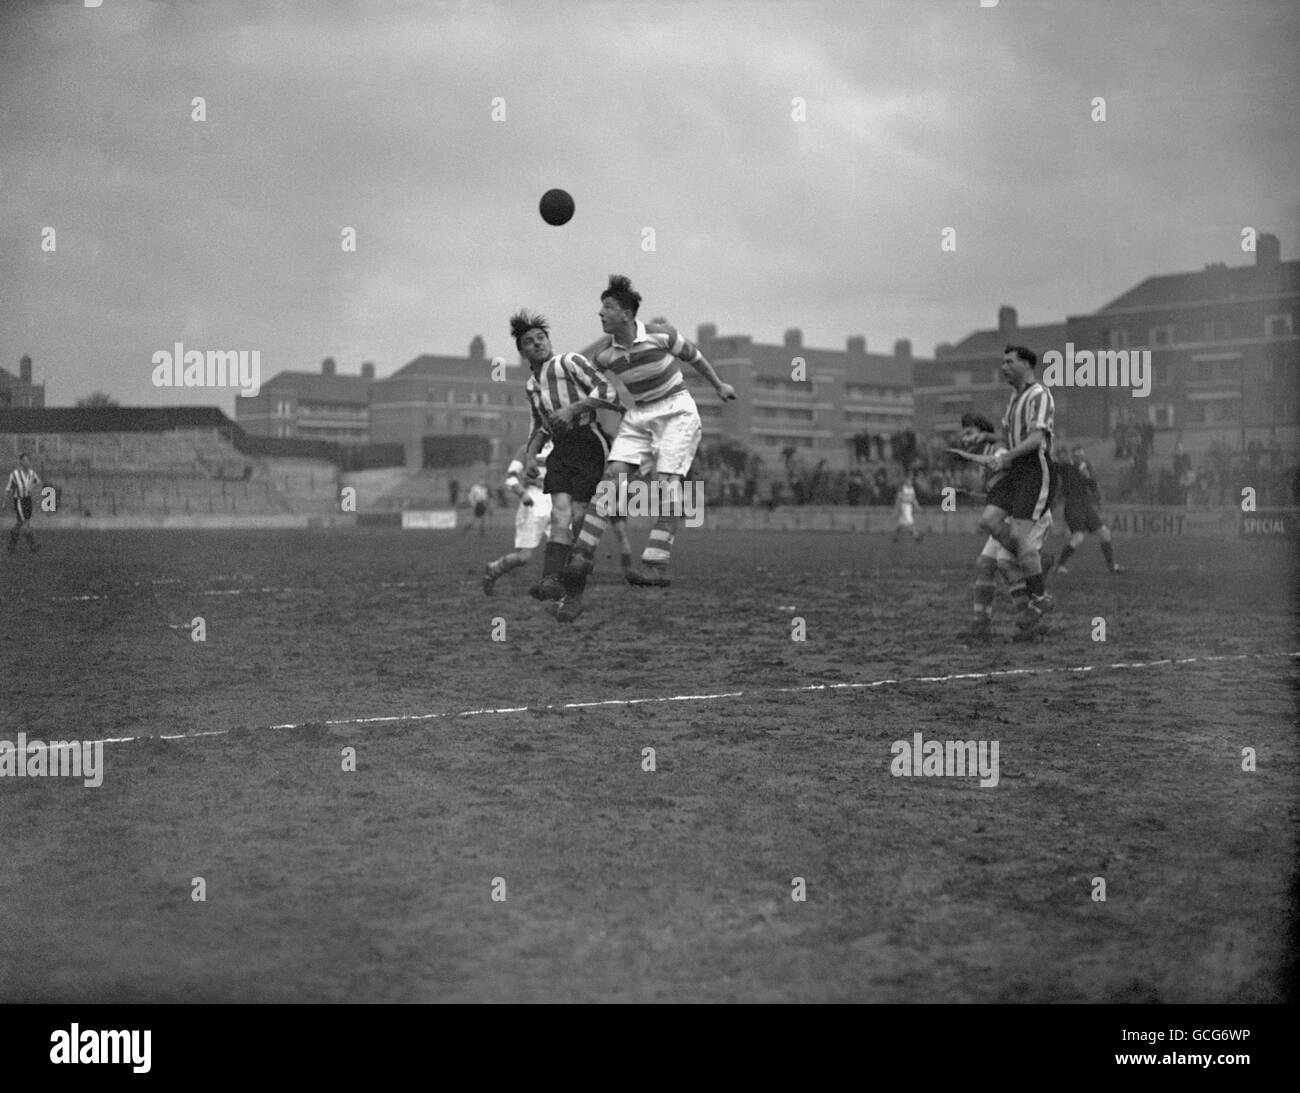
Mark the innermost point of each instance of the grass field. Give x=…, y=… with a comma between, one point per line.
x=622, y=884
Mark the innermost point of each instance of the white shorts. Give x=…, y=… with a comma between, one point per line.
x=995, y=550
x=905, y=516
x=532, y=521
x=666, y=432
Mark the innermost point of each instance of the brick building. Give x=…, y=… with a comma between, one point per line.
x=20, y=392
x=311, y=406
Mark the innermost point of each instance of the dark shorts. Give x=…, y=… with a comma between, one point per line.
x=575, y=465
x=1083, y=518
x=480, y=508
x=23, y=508
x=1019, y=493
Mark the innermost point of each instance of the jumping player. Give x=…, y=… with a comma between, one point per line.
x=1018, y=500
x=22, y=481
x=564, y=392
x=664, y=423
x=904, y=505
x=1082, y=510
x=532, y=518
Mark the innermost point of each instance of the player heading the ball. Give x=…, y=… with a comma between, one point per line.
x=664, y=425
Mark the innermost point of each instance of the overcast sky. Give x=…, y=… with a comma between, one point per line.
x=920, y=115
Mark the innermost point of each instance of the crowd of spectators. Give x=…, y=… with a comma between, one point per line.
x=732, y=475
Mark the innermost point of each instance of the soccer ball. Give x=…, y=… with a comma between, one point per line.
x=556, y=207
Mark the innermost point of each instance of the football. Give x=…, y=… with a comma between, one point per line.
x=556, y=207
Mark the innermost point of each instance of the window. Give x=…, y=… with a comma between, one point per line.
x=1116, y=339
x=1277, y=326
x=1161, y=415
x=1162, y=335
x=961, y=379
x=1218, y=330
x=451, y=396
x=1204, y=370
x=1229, y=370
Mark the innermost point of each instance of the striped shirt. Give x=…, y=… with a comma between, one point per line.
x=563, y=380
x=648, y=367
x=1027, y=411
x=22, y=482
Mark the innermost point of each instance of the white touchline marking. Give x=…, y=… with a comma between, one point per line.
x=804, y=689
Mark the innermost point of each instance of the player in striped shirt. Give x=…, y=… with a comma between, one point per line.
x=22, y=481
x=664, y=424
x=1018, y=499
x=564, y=392
x=980, y=441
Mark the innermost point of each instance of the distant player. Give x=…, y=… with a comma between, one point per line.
x=905, y=505
x=1082, y=510
x=22, y=482
x=1018, y=499
x=979, y=438
x=478, y=497
x=532, y=518
x=664, y=423
x=564, y=392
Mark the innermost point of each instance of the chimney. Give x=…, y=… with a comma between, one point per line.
x=1268, y=252
x=856, y=346
x=1007, y=326
x=25, y=369
x=794, y=338
x=903, y=349
x=327, y=366
x=368, y=370
x=476, y=352
x=942, y=349
x=706, y=334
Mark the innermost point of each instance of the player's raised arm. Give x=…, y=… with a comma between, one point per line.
x=690, y=354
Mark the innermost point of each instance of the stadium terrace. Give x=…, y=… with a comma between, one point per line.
x=216, y=368
x=1106, y=368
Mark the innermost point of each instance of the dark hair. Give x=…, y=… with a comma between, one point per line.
x=1026, y=355
x=522, y=323
x=620, y=288
x=977, y=421
x=22, y=455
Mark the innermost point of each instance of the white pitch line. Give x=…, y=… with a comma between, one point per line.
x=803, y=689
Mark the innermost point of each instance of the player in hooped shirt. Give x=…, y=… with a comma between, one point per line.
x=664, y=425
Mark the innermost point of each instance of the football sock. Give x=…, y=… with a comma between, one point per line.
x=1067, y=550
x=1034, y=583
x=1019, y=595
x=984, y=594
x=505, y=564
x=1108, y=552
x=658, y=550
x=554, y=558
x=626, y=559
